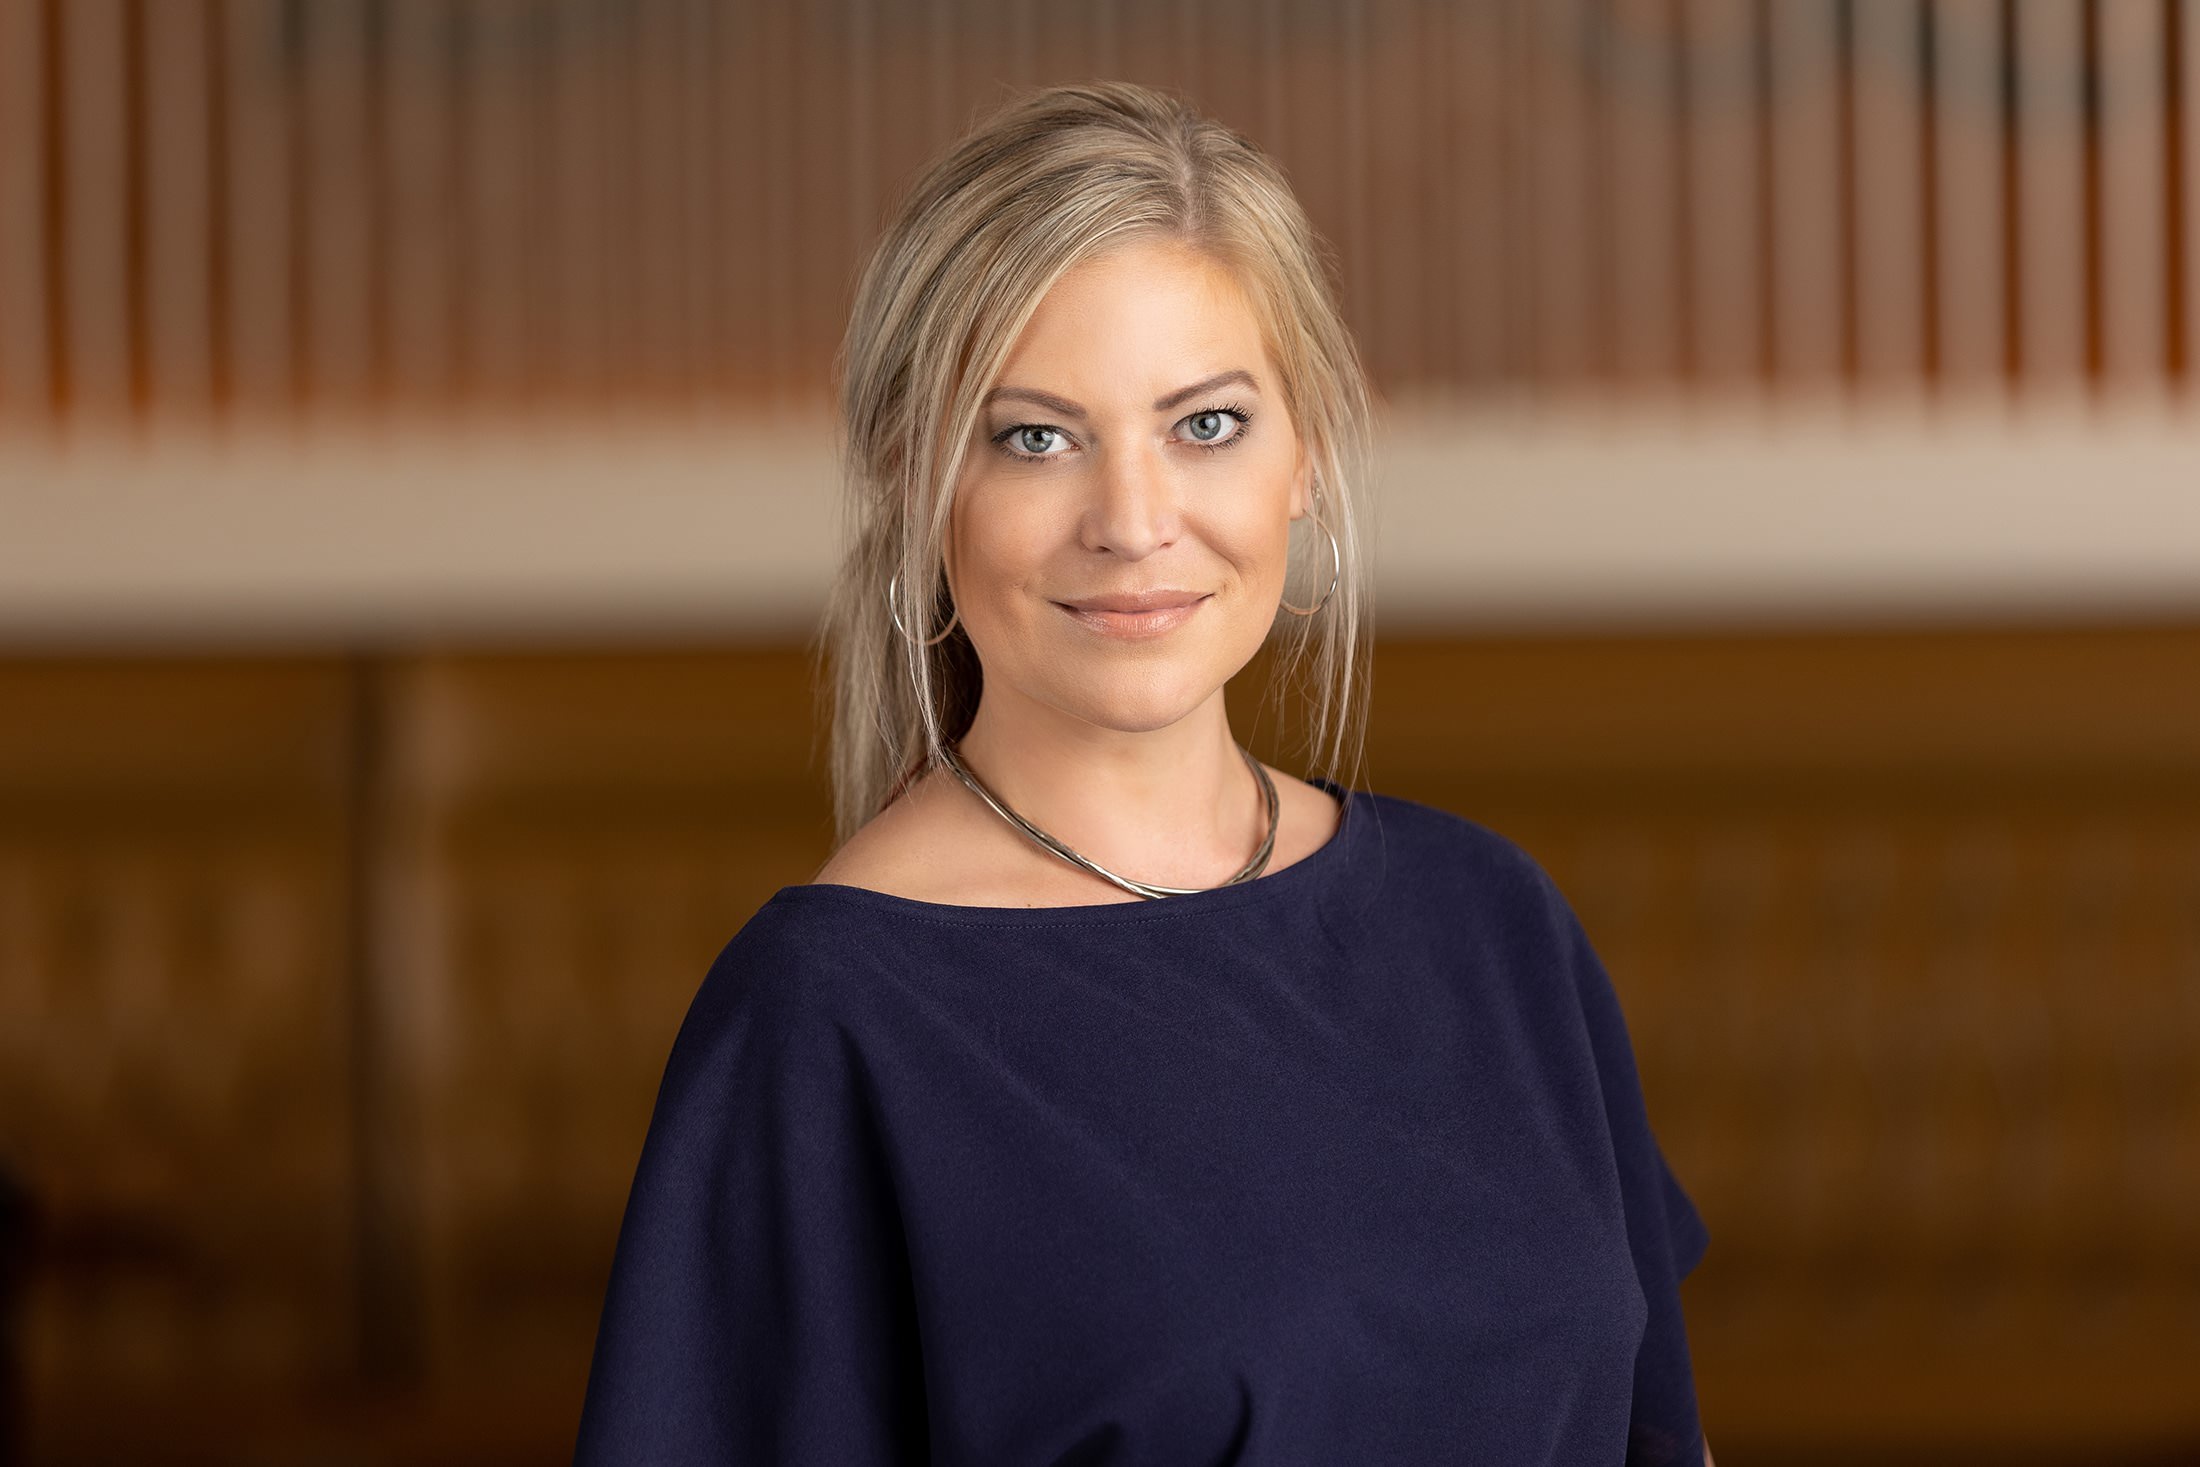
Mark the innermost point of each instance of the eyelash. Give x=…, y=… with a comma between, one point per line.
x=1001, y=439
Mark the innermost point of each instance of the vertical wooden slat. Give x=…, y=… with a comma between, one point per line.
x=2132, y=287
x=1354, y=140
x=1021, y=65
x=733, y=169
x=1182, y=68
x=534, y=102
x=24, y=385
x=1556, y=165
x=2188, y=74
x=2176, y=196
x=1432, y=180
x=699, y=160
x=739, y=104
x=1968, y=207
x=418, y=132
x=1107, y=41
x=136, y=248
x=1725, y=263
x=1687, y=193
x=1890, y=235
x=1641, y=118
x=1275, y=46
x=578, y=86
x=220, y=289
x=95, y=204
x=258, y=242
x=614, y=45
x=2051, y=214
x=659, y=214
x=1604, y=246
x=377, y=190
x=822, y=143
x=866, y=200
x=178, y=233
x=337, y=175
x=1436, y=267
x=1398, y=307
x=937, y=47
x=958, y=86
x=773, y=146
x=1233, y=85
x=1482, y=321
x=904, y=98
x=1316, y=159
x=1514, y=201
x=495, y=143
x=386, y=1174
x=1806, y=195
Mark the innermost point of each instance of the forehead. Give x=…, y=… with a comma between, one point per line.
x=1161, y=303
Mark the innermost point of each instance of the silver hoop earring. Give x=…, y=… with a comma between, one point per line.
x=1336, y=560
x=893, y=609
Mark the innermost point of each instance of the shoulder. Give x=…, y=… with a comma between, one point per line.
x=1484, y=892
x=1458, y=846
x=919, y=846
x=781, y=974
x=775, y=1011
x=1467, y=876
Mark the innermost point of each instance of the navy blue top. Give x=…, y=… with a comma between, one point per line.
x=1349, y=1163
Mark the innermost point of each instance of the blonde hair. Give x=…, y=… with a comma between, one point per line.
x=1053, y=178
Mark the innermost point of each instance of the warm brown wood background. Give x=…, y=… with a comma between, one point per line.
x=265, y=209
x=334, y=994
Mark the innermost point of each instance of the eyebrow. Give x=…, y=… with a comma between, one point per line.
x=1161, y=404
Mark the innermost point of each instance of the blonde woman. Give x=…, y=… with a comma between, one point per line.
x=1111, y=1096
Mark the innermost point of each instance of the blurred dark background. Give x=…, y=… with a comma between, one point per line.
x=416, y=498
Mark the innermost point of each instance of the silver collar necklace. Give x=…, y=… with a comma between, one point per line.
x=1253, y=868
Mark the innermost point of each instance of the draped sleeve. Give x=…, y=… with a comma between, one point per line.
x=759, y=1307
x=1666, y=1234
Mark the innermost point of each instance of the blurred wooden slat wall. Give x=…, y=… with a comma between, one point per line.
x=177, y=1027
x=263, y=208
x=334, y=995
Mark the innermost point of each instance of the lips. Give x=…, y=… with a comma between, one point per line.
x=1135, y=617
x=1163, y=599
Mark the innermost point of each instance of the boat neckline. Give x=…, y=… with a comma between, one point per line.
x=1309, y=869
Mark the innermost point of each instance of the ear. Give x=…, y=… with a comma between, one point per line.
x=1301, y=481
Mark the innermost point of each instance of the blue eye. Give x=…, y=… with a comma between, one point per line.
x=1030, y=442
x=1215, y=416
x=1026, y=441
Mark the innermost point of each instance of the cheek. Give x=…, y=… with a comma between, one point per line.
x=998, y=553
x=1258, y=544
x=1260, y=526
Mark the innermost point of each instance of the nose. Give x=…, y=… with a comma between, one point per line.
x=1134, y=509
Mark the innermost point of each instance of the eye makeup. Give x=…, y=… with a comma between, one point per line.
x=1001, y=440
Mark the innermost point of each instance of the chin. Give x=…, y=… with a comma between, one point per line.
x=1140, y=703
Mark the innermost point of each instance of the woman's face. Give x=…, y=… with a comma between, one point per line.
x=1136, y=443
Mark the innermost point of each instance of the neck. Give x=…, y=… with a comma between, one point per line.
x=1173, y=805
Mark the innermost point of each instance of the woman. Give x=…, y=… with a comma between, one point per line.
x=1110, y=1096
